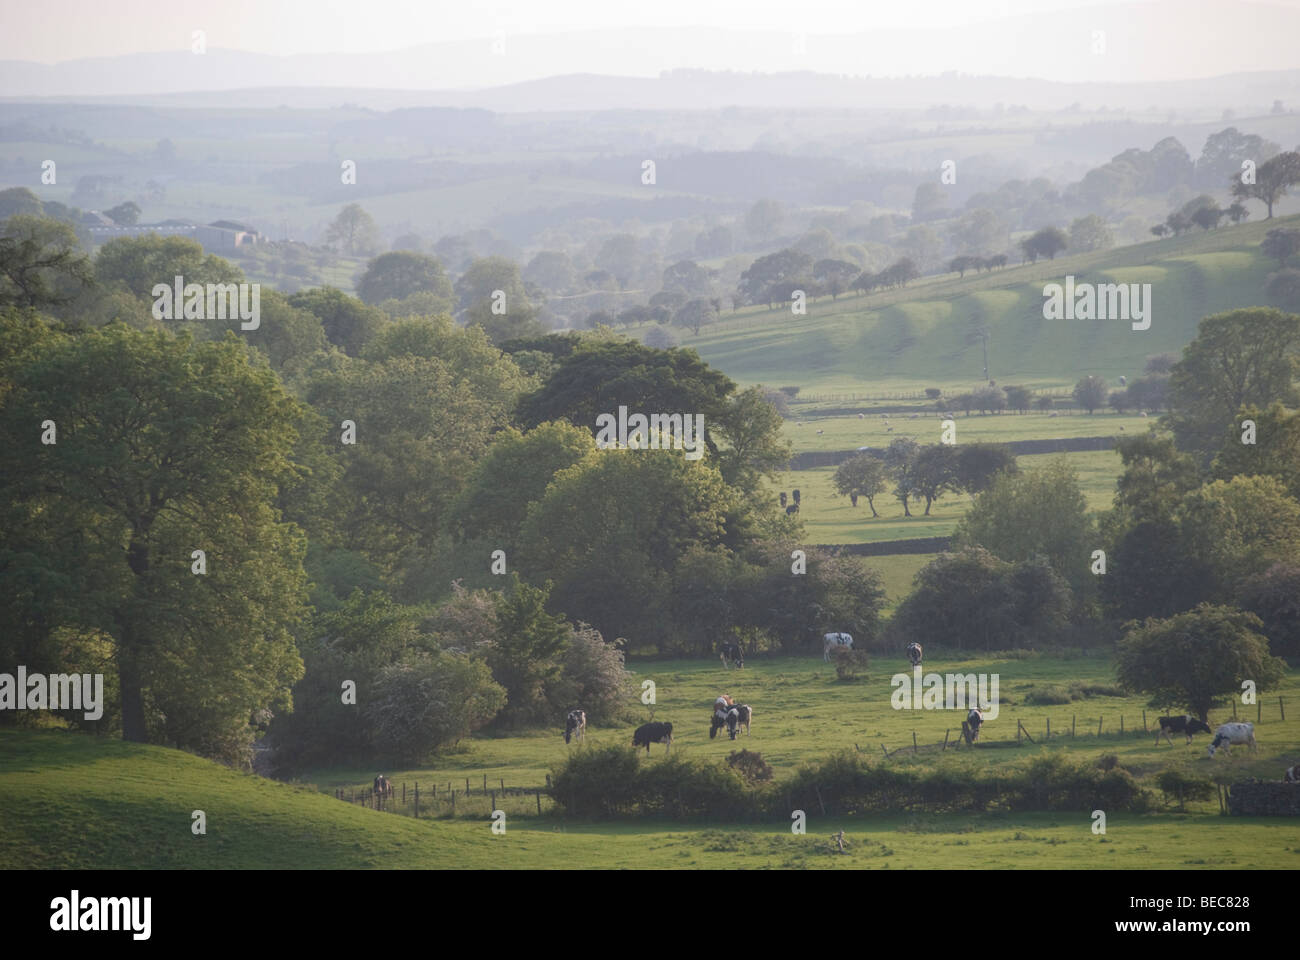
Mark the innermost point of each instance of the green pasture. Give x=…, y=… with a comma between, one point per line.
x=923, y=335
x=829, y=517
x=71, y=800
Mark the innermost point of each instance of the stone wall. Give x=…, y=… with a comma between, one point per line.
x=1264, y=798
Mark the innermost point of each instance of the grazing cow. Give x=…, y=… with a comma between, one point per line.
x=1184, y=724
x=721, y=707
x=1292, y=774
x=1229, y=734
x=383, y=786
x=733, y=653
x=914, y=654
x=835, y=641
x=792, y=509
x=649, y=733
x=975, y=720
x=738, y=716
x=575, y=724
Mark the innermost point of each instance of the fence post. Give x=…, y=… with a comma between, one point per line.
x=1259, y=712
x=1049, y=728
x=485, y=790
x=417, y=799
x=1234, y=708
x=494, y=801
x=945, y=738
x=403, y=793
x=914, y=743
x=467, y=786
x=539, y=803
x=453, y=803
x=503, y=786
x=1144, y=722
x=1099, y=723
x=1281, y=706
x=1121, y=724
x=1072, y=719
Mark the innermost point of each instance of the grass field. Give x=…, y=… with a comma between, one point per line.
x=73, y=800
x=921, y=336
x=830, y=518
x=849, y=432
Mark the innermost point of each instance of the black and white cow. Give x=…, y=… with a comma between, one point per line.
x=383, y=786
x=733, y=653
x=835, y=641
x=914, y=654
x=575, y=725
x=974, y=720
x=1233, y=734
x=1292, y=774
x=1185, y=724
x=649, y=733
x=738, y=716
x=721, y=707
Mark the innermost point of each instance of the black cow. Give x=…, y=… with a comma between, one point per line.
x=649, y=733
x=738, y=716
x=792, y=509
x=1184, y=724
x=733, y=652
x=575, y=724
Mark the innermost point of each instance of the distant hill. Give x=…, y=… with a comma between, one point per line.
x=922, y=335
x=1175, y=39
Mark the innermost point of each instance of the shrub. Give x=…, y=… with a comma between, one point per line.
x=750, y=765
x=1179, y=786
x=597, y=782
x=849, y=664
x=614, y=781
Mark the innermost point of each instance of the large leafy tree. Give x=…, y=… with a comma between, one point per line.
x=1239, y=358
x=611, y=530
x=599, y=376
x=163, y=447
x=397, y=275
x=527, y=655
x=138, y=263
x=1275, y=452
x=353, y=231
x=1273, y=177
x=422, y=421
x=970, y=599
x=1035, y=512
x=348, y=323
x=1197, y=659
x=751, y=448
x=41, y=263
x=767, y=272
x=862, y=476
x=934, y=473
x=513, y=474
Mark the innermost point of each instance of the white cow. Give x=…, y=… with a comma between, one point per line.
x=1292, y=774
x=1229, y=734
x=835, y=641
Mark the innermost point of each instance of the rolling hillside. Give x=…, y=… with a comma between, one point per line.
x=921, y=336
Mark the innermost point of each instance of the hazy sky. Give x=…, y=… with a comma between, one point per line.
x=51, y=31
x=54, y=30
